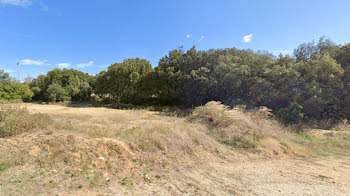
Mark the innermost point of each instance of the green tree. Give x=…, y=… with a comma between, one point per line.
x=123, y=80
x=56, y=93
x=10, y=90
x=76, y=84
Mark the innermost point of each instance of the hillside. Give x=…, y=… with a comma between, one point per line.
x=88, y=150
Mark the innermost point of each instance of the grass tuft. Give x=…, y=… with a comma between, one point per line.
x=213, y=114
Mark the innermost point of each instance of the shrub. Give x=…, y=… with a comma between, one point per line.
x=214, y=114
x=12, y=91
x=292, y=114
x=57, y=93
x=15, y=120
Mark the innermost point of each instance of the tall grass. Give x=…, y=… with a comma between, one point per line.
x=213, y=114
x=232, y=127
x=15, y=120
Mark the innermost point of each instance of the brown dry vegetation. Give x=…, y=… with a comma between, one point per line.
x=87, y=150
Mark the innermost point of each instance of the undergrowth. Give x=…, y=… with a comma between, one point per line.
x=15, y=120
x=226, y=125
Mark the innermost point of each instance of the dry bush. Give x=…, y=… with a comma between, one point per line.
x=213, y=114
x=15, y=120
x=176, y=138
x=235, y=127
x=240, y=142
x=343, y=126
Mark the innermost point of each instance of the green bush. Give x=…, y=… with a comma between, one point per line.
x=12, y=91
x=57, y=93
x=291, y=114
x=15, y=120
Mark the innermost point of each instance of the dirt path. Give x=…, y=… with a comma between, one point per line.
x=289, y=176
x=294, y=177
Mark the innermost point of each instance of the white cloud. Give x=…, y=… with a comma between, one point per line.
x=59, y=14
x=23, y=3
x=201, y=38
x=188, y=36
x=63, y=65
x=31, y=62
x=83, y=65
x=247, y=38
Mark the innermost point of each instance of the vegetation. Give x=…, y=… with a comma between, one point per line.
x=91, y=148
x=213, y=114
x=63, y=85
x=310, y=86
x=15, y=120
x=10, y=90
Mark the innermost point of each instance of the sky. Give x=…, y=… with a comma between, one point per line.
x=90, y=35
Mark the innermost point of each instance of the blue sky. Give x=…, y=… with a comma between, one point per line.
x=89, y=35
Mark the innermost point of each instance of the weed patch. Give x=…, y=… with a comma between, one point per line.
x=332, y=144
x=15, y=120
x=3, y=167
x=241, y=142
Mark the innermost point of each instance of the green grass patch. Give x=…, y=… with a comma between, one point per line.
x=3, y=167
x=332, y=144
x=241, y=142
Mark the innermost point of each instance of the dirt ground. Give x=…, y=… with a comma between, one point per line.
x=226, y=172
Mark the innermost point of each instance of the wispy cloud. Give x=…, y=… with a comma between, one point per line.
x=201, y=38
x=247, y=38
x=83, y=65
x=26, y=3
x=283, y=52
x=23, y=3
x=32, y=62
x=63, y=65
x=188, y=36
x=23, y=36
x=9, y=71
x=43, y=6
x=104, y=66
x=59, y=14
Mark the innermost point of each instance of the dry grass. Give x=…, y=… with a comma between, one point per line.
x=235, y=127
x=15, y=120
x=343, y=126
x=86, y=148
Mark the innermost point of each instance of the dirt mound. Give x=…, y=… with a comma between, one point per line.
x=72, y=149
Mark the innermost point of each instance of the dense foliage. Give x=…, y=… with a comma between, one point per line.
x=63, y=85
x=123, y=82
x=10, y=90
x=313, y=84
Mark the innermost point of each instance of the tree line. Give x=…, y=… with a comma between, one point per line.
x=311, y=84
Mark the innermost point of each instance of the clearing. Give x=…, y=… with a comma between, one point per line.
x=101, y=151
